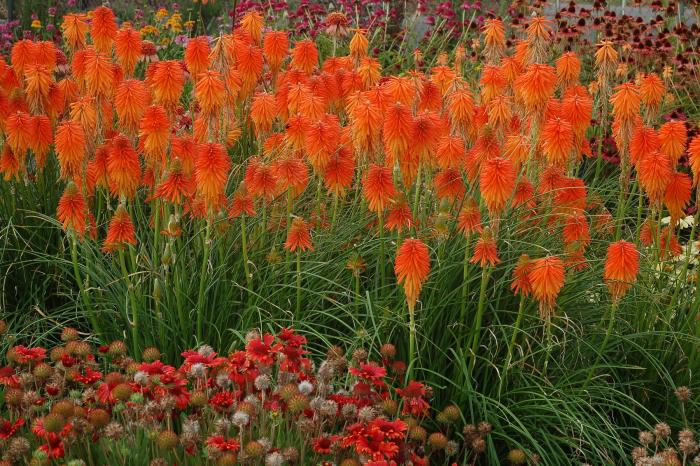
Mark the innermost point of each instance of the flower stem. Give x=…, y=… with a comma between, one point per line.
x=298, y=309
x=132, y=301
x=202, y=280
x=81, y=287
x=476, y=330
x=603, y=346
x=244, y=250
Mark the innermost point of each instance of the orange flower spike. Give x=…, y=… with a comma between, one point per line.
x=41, y=140
x=123, y=168
x=568, y=68
x=398, y=131
x=38, y=81
x=211, y=172
x=492, y=83
x=469, y=218
x=299, y=236
x=154, y=132
x=197, y=56
x=654, y=173
x=103, y=29
x=694, y=158
x=263, y=182
x=673, y=136
x=176, y=187
x=449, y=184
x=535, y=87
x=72, y=210
x=366, y=123
x=70, y=148
x=292, y=174
x=521, y=284
x=252, y=23
x=621, y=268
x=249, y=61
x=625, y=102
x=497, y=182
x=359, y=45
x=412, y=268
x=241, y=203
x=74, y=29
x=378, y=187
x=577, y=108
x=606, y=58
x=130, y=102
x=460, y=108
x=120, y=231
x=399, y=217
x=19, y=132
x=645, y=140
x=339, y=171
x=547, y=279
x=263, y=112
x=10, y=165
x=304, y=56
x=321, y=140
x=24, y=52
x=167, y=83
x=276, y=49
x=128, y=49
x=557, y=139
x=677, y=194
x=485, y=251
x=494, y=39
x=210, y=92
x=450, y=152
x=651, y=93
x=99, y=74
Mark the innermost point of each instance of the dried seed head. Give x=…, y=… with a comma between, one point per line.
x=646, y=438
x=122, y=392
x=479, y=445
x=452, y=448
x=229, y=459
x=683, y=394
x=205, y=350
x=18, y=447
x=158, y=462
x=254, y=449
x=54, y=423
x=335, y=352
x=484, y=428
x=3, y=327
x=117, y=348
x=662, y=431
x=359, y=355
x=437, y=441
x=388, y=351
x=349, y=462
x=274, y=459
x=517, y=456
x=69, y=334
x=262, y=382
x=167, y=440
x=366, y=414
x=240, y=419
x=198, y=399
x=151, y=354
x=305, y=387
x=417, y=433
x=288, y=391
x=114, y=431
x=291, y=454
x=42, y=371
x=98, y=418
x=298, y=403
x=198, y=370
x=64, y=408
x=349, y=411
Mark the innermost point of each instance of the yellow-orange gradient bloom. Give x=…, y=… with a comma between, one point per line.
x=412, y=267
x=621, y=267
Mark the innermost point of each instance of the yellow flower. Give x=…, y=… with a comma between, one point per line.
x=189, y=24
x=148, y=29
x=165, y=41
x=36, y=24
x=161, y=14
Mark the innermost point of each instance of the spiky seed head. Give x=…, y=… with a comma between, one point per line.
x=151, y=354
x=516, y=456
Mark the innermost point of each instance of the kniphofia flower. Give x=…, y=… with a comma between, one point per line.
x=197, y=56
x=252, y=23
x=103, y=29
x=120, y=231
x=304, y=56
x=299, y=236
x=547, y=279
x=485, y=251
x=211, y=172
x=677, y=194
x=123, y=167
x=167, y=82
x=651, y=92
x=154, y=131
x=128, y=49
x=412, y=267
x=621, y=268
x=521, y=284
x=469, y=218
x=672, y=139
x=130, y=102
x=557, y=140
x=694, y=158
x=72, y=210
x=536, y=86
x=497, y=181
x=276, y=48
x=74, y=29
x=378, y=187
x=654, y=174
x=568, y=67
x=70, y=148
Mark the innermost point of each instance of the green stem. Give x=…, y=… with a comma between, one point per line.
x=465, y=279
x=513, y=339
x=132, y=301
x=81, y=286
x=603, y=346
x=202, y=280
x=298, y=309
x=476, y=330
x=411, y=341
x=380, y=262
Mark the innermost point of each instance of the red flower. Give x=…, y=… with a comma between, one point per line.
x=8, y=428
x=323, y=444
x=222, y=400
x=262, y=350
x=369, y=371
x=223, y=444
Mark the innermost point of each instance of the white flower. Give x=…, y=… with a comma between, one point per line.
x=305, y=387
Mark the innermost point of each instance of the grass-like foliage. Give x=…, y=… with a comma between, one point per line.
x=515, y=210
